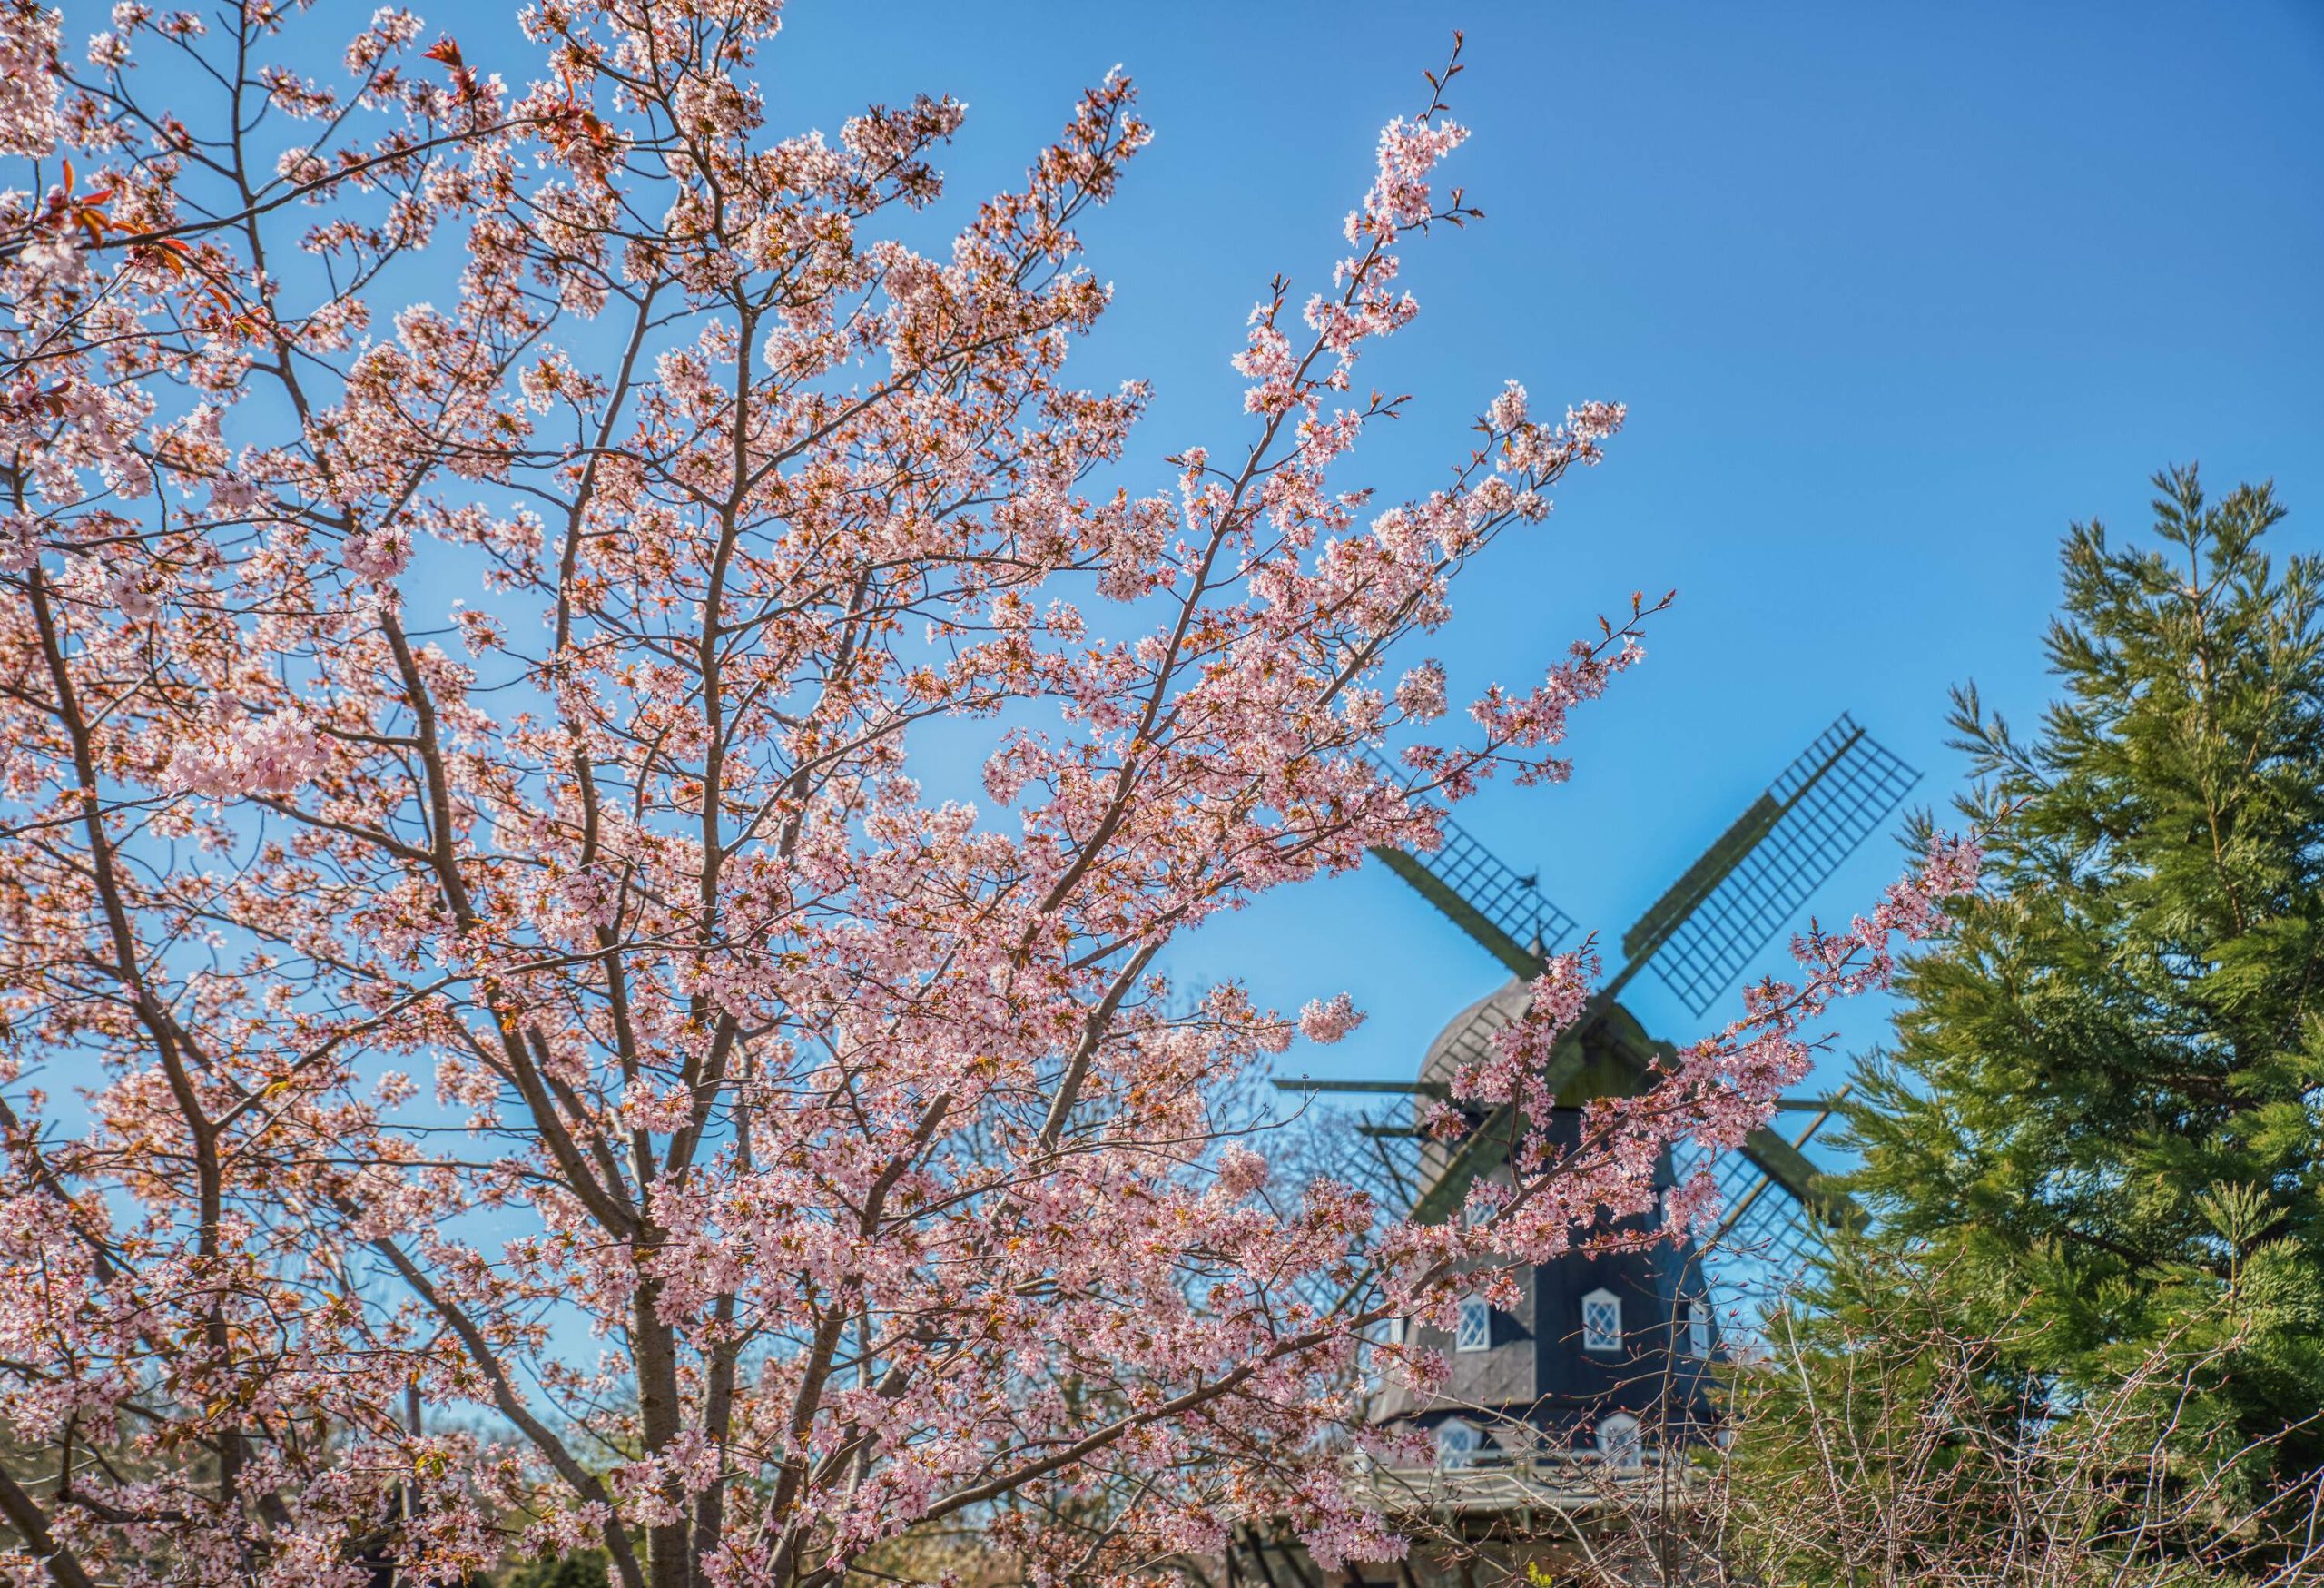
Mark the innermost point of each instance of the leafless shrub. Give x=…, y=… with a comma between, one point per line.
x=1900, y=1450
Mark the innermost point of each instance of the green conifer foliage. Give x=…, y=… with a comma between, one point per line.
x=2101, y=1123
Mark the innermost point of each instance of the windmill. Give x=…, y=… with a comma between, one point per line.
x=1602, y=1338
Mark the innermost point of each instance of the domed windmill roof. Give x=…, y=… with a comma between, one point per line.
x=1607, y=1052
x=1464, y=1042
x=1460, y=1042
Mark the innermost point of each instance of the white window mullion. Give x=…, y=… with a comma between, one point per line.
x=1601, y=1321
x=1472, y=1324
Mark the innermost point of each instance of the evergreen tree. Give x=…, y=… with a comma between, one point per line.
x=2094, y=1146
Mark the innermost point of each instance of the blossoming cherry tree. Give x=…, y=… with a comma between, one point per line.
x=477, y=566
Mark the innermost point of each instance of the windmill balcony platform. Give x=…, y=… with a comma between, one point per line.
x=1479, y=1523
x=1545, y=1482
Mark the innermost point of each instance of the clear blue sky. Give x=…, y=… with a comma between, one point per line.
x=1893, y=295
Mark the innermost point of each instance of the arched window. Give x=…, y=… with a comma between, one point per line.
x=1456, y=1444
x=1472, y=1324
x=1619, y=1444
x=1601, y=1321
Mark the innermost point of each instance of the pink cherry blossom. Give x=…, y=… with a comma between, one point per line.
x=1328, y=1022
x=575, y=690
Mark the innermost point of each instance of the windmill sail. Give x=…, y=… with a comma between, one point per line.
x=1484, y=895
x=1767, y=1241
x=1702, y=932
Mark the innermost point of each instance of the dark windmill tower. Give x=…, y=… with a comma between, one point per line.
x=1603, y=1357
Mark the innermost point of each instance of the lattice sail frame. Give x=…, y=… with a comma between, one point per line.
x=1485, y=897
x=1698, y=937
x=1493, y=887
x=1764, y=1245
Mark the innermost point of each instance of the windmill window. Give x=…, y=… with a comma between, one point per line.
x=1472, y=1324
x=1619, y=1444
x=1697, y=1328
x=1456, y=1444
x=1601, y=1321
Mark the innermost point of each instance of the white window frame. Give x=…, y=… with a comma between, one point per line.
x=1619, y=1443
x=1457, y=1443
x=1472, y=1323
x=1699, y=1330
x=1595, y=1338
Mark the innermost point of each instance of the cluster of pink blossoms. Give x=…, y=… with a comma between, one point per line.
x=277, y=754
